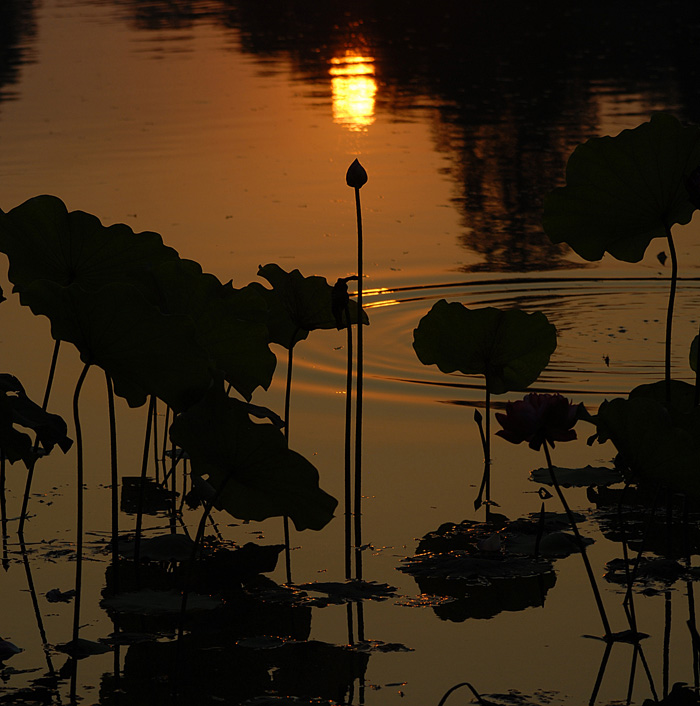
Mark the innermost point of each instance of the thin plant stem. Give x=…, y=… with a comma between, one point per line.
x=44, y=406
x=358, y=397
x=173, y=483
x=487, y=450
x=633, y=672
x=79, y=524
x=667, y=642
x=142, y=488
x=669, y=313
x=579, y=541
x=3, y=513
x=166, y=424
x=153, y=411
x=114, y=475
x=348, y=447
x=477, y=696
x=287, y=404
x=628, y=601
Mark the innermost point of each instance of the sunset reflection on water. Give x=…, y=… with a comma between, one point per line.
x=354, y=89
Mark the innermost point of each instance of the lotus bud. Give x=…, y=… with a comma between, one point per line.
x=356, y=176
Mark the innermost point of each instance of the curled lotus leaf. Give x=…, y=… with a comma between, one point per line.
x=509, y=347
x=44, y=241
x=230, y=324
x=143, y=350
x=621, y=192
x=298, y=304
x=253, y=472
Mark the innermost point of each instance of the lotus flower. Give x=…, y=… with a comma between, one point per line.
x=539, y=418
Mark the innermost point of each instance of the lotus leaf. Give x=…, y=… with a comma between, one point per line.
x=166, y=547
x=143, y=350
x=623, y=191
x=655, y=449
x=44, y=241
x=17, y=409
x=255, y=474
x=150, y=602
x=577, y=477
x=298, y=305
x=694, y=354
x=509, y=347
x=230, y=324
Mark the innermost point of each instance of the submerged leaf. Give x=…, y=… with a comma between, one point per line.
x=623, y=191
x=509, y=347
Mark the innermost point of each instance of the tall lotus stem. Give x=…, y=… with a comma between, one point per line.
x=579, y=542
x=356, y=178
x=287, y=399
x=44, y=406
x=79, y=523
x=114, y=480
x=151, y=424
x=669, y=313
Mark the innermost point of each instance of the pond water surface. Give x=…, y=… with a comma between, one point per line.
x=227, y=127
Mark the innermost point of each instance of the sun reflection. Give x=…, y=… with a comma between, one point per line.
x=354, y=88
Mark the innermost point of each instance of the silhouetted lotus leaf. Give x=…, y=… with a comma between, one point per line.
x=255, y=474
x=693, y=357
x=150, y=602
x=143, y=350
x=379, y=646
x=553, y=545
x=166, y=547
x=298, y=304
x=230, y=324
x=646, y=571
x=354, y=590
x=654, y=448
x=623, y=191
x=44, y=241
x=82, y=648
x=155, y=497
x=17, y=409
x=509, y=347
x=577, y=477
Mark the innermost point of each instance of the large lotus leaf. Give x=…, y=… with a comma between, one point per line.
x=655, y=449
x=249, y=464
x=43, y=241
x=623, y=191
x=510, y=347
x=229, y=323
x=143, y=350
x=680, y=405
x=299, y=304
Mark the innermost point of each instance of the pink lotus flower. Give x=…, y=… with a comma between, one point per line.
x=539, y=418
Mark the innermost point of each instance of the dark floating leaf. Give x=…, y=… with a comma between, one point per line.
x=578, y=477
x=167, y=547
x=354, y=590
x=150, y=602
x=156, y=498
x=82, y=648
x=55, y=595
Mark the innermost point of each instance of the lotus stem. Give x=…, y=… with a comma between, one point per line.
x=477, y=696
x=142, y=487
x=79, y=523
x=601, y=673
x=358, y=396
x=348, y=450
x=44, y=406
x=579, y=541
x=287, y=404
x=667, y=642
x=114, y=480
x=3, y=513
x=669, y=313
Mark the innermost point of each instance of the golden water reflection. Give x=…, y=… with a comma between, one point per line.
x=354, y=89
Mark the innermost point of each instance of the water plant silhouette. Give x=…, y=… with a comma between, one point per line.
x=622, y=192
x=540, y=420
x=510, y=348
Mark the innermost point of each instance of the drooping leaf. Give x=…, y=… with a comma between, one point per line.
x=509, y=347
x=254, y=473
x=230, y=324
x=298, y=304
x=143, y=350
x=16, y=409
x=44, y=241
x=623, y=191
x=656, y=449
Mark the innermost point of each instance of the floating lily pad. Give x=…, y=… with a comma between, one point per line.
x=166, y=547
x=623, y=191
x=354, y=590
x=82, y=648
x=150, y=602
x=577, y=477
x=509, y=347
